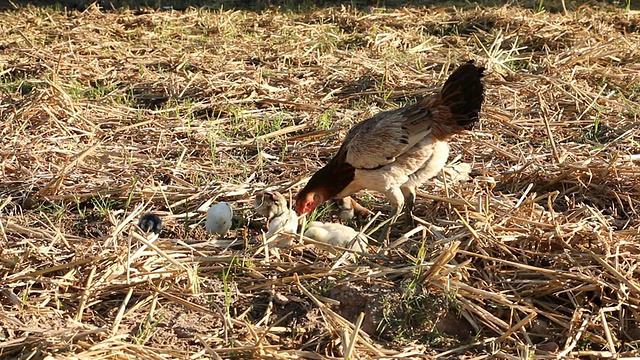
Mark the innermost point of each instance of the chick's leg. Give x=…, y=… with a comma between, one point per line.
x=409, y=193
x=397, y=202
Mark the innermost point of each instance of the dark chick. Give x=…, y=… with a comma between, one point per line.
x=396, y=151
x=150, y=222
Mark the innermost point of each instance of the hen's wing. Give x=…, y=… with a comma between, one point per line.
x=377, y=141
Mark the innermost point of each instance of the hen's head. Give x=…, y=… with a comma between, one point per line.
x=325, y=184
x=307, y=201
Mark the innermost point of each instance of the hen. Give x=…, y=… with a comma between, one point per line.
x=396, y=151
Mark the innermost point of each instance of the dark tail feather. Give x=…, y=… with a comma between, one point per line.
x=463, y=92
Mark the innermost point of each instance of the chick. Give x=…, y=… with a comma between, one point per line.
x=455, y=173
x=269, y=204
x=150, y=222
x=288, y=221
x=347, y=208
x=219, y=218
x=273, y=205
x=335, y=235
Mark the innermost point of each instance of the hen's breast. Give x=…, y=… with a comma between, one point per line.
x=436, y=159
x=408, y=168
x=418, y=156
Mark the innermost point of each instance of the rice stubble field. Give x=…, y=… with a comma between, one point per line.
x=107, y=114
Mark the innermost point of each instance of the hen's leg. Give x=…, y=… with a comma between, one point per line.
x=360, y=210
x=397, y=201
x=409, y=200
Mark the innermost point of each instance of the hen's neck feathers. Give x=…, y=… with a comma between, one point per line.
x=332, y=178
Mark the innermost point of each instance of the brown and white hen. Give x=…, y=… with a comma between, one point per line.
x=396, y=151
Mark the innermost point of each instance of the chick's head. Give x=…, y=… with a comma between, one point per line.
x=270, y=204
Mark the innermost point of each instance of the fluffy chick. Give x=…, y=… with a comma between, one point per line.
x=335, y=235
x=288, y=221
x=347, y=208
x=219, y=218
x=150, y=222
x=270, y=204
x=273, y=205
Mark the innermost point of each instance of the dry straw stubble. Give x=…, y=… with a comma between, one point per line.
x=108, y=114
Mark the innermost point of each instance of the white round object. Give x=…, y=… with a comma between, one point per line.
x=219, y=218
